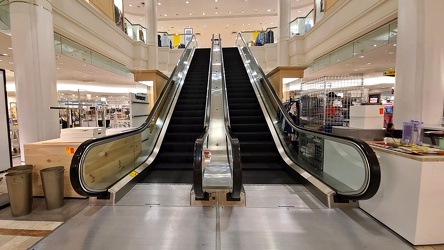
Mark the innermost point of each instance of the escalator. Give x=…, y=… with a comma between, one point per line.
x=173, y=163
x=261, y=161
x=164, y=149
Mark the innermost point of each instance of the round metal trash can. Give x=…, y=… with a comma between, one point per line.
x=20, y=168
x=19, y=186
x=53, y=181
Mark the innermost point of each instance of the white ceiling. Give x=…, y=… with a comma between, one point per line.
x=229, y=19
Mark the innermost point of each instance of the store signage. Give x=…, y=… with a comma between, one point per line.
x=139, y=98
x=389, y=73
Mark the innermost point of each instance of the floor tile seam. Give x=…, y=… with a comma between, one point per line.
x=25, y=232
x=289, y=207
x=151, y=206
x=15, y=224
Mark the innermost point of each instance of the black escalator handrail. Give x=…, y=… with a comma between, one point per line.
x=373, y=170
x=199, y=143
x=81, y=152
x=235, y=144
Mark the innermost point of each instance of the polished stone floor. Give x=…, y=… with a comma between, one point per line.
x=159, y=216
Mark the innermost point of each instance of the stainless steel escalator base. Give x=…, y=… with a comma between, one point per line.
x=158, y=216
x=217, y=176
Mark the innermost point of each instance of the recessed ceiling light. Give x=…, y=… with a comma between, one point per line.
x=187, y=2
x=164, y=14
x=58, y=68
x=394, y=45
x=203, y=14
x=1, y=60
x=140, y=18
x=4, y=54
x=361, y=56
x=369, y=63
x=159, y=3
x=299, y=11
x=215, y=13
x=215, y=1
x=268, y=10
x=11, y=63
x=191, y=14
x=9, y=48
x=130, y=5
x=84, y=65
x=242, y=11
x=375, y=45
x=229, y=12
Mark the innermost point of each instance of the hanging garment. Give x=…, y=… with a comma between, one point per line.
x=165, y=41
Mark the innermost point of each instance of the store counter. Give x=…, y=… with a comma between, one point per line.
x=50, y=153
x=56, y=152
x=410, y=199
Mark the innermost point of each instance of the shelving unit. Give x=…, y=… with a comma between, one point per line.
x=325, y=102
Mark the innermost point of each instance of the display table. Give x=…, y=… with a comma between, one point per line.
x=410, y=199
x=51, y=153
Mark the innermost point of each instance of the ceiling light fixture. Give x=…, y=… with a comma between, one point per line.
x=268, y=10
x=187, y=2
x=4, y=54
x=361, y=56
x=130, y=5
x=9, y=48
x=164, y=14
x=159, y=3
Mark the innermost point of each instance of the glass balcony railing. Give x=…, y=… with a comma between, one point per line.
x=5, y=22
x=375, y=39
x=301, y=25
x=69, y=48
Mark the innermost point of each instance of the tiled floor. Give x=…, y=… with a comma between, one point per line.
x=24, y=231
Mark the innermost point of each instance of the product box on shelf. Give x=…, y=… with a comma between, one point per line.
x=83, y=132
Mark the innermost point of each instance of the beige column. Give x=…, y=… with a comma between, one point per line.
x=419, y=88
x=151, y=26
x=32, y=37
x=284, y=15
